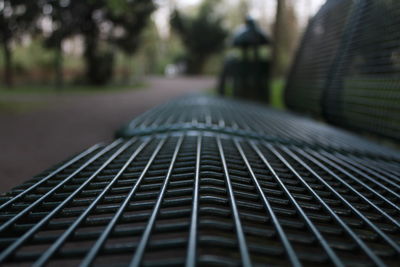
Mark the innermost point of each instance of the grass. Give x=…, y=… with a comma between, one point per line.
x=67, y=89
x=12, y=107
x=277, y=90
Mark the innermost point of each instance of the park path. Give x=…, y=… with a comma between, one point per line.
x=31, y=142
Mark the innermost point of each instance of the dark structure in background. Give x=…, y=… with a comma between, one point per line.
x=348, y=68
x=204, y=180
x=248, y=75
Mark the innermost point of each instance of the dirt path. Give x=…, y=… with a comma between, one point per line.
x=32, y=141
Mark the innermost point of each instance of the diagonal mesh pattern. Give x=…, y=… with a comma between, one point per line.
x=364, y=93
x=347, y=69
x=203, y=196
x=317, y=56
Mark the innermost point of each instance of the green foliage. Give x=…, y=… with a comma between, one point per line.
x=202, y=35
x=69, y=89
x=103, y=24
x=131, y=18
x=33, y=56
x=16, y=18
x=277, y=99
x=117, y=7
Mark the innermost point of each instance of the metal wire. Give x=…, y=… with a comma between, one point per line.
x=61, y=240
x=317, y=56
x=137, y=258
x=247, y=120
x=192, y=244
x=238, y=225
x=207, y=181
x=111, y=225
x=331, y=254
x=367, y=94
x=289, y=248
x=362, y=245
x=199, y=198
x=347, y=69
x=6, y=253
x=51, y=175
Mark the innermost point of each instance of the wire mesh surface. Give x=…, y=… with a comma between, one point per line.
x=364, y=93
x=317, y=55
x=207, y=197
x=348, y=67
x=247, y=120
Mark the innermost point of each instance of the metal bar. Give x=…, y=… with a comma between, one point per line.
x=192, y=244
x=329, y=161
x=7, y=252
x=331, y=254
x=140, y=121
x=97, y=246
x=294, y=260
x=376, y=168
x=158, y=119
x=63, y=238
x=137, y=258
x=5, y=225
x=51, y=175
x=355, y=210
x=364, y=247
x=364, y=175
x=238, y=225
x=380, y=211
x=370, y=171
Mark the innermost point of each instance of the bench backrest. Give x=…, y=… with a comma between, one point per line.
x=347, y=69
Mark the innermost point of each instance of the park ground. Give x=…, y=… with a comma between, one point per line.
x=41, y=129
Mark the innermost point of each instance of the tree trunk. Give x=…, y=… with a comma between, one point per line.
x=99, y=64
x=90, y=57
x=8, y=71
x=286, y=35
x=58, y=65
x=278, y=34
x=94, y=61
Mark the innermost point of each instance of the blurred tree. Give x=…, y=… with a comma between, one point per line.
x=237, y=13
x=16, y=18
x=119, y=22
x=65, y=24
x=202, y=35
x=150, y=48
x=286, y=31
x=103, y=24
x=130, y=19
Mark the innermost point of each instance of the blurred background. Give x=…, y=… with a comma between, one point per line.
x=73, y=71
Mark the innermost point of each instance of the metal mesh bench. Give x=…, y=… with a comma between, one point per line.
x=209, y=181
x=348, y=68
x=193, y=182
